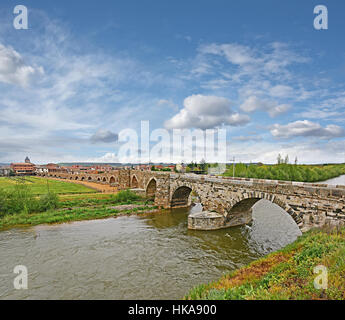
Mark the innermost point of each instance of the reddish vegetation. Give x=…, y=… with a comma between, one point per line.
x=254, y=271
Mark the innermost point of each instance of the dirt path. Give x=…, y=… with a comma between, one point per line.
x=104, y=188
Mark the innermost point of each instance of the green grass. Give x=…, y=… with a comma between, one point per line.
x=61, y=216
x=21, y=207
x=287, y=172
x=286, y=274
x=122, y=197
x=39, y=186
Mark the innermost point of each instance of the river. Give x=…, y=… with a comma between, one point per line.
x=148, y=257
x=335, y=181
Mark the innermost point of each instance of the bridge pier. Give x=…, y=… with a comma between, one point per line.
x=207, y=220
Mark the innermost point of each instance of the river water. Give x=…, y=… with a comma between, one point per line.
x=335, y=181
x=150, y=257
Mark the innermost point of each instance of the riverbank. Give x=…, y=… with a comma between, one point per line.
x=21, y=208
x=74, y=214
x=285, y=274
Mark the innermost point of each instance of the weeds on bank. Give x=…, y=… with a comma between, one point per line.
x=21, y=207
x=285, y=274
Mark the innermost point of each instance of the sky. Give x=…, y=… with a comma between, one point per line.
x=84, y=71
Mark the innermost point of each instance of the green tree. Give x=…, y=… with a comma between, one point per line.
x=203, y=165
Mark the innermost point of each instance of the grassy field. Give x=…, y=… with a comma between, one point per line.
x=38, y=185
x=286, y=274
x=19, y=207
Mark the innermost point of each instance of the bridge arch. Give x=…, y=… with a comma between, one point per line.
x=180, y=197
x=112, y=179
x=99, y=179
x=76, y=178
x=151, y=189
x=134, y=182
x=104, y=179
x=241, y=207
x=89, y=178
x=82, y=178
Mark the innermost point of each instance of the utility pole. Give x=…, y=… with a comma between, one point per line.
x=233, y=167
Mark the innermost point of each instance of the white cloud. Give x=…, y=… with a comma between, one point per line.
x=167, y=103
x=322, y=151
x=79, y=92
x=13, y=69
x=206, y=112
x=307, y=128
x=252, y=104
x=104, y=136
x=107, y=158
x=247, y=138
x=281, y=91
x=233, y=52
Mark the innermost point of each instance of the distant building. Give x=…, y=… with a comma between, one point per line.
x=23, y=168
x=41, y=169
x=180, y=168
x=54, y=168
x=5, y=171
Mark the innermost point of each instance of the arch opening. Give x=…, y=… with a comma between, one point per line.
x=76, y=178
x=104, y=179
x=112, y=180
x=89, y=178
x=245, y=210
x=181, y=197
x=134, y=183
x=241, y=212
x=151, y=189
x=272, y=226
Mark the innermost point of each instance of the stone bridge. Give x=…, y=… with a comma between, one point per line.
x=228, y=202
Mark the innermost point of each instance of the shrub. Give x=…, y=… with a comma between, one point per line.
x=21, y=200
x=48, y=201
x=126, y=196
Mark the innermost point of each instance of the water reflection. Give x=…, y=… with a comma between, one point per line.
x=150, y=257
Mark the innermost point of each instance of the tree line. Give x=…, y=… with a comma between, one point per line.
x=283, y=170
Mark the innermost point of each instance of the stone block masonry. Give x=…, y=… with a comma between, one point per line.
x=310, y=205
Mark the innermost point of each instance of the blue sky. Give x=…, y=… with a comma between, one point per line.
x=85, y=71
